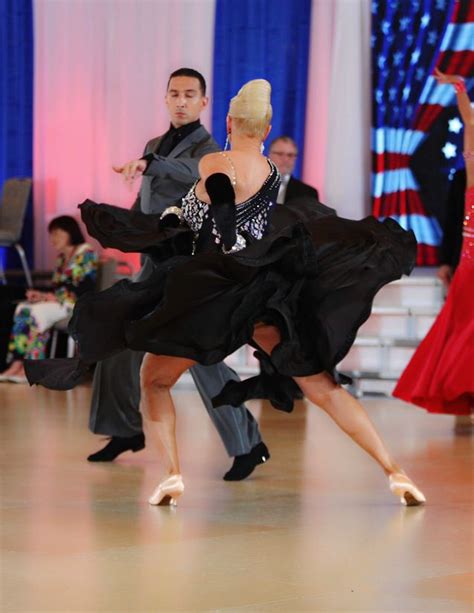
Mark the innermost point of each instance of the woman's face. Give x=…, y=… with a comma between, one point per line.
x=60, y=239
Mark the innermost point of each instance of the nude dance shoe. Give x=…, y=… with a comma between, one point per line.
x=403, y=487
x=168, y=491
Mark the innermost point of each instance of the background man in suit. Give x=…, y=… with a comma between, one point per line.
x=168, y=169
x=283, y=152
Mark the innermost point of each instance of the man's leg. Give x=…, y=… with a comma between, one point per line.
x=236, y=425
x=115, y=405
x=115, y=412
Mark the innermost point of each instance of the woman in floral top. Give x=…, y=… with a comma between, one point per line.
x=74, y=273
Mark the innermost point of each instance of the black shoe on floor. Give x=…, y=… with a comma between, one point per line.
x=116, y=446
x=245, y=464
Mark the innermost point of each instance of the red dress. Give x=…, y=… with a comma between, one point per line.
x=440, y=375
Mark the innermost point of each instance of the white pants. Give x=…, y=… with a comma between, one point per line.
x=46, y=314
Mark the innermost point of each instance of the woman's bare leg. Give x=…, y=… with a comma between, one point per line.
x=158, y=374
x=351, y=417
x=343, y=408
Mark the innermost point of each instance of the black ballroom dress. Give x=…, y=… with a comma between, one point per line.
x=311, y=274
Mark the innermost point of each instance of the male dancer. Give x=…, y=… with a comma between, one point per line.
x=168, y=169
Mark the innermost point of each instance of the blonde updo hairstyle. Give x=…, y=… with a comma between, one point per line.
x=250, y=110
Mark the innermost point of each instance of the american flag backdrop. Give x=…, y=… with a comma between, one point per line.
x=416, y=128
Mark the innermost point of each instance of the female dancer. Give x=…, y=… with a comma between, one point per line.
x=439, y=377
x=237, y=269
x=74, y=273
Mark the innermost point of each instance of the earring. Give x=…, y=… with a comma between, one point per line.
x=227, y=141
x=262, y=147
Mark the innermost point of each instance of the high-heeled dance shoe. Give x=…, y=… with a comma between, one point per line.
x=403, y=487
x=168, y=491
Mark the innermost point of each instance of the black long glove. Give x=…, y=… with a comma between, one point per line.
x=222, y=208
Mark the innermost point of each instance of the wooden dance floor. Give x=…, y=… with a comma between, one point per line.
x=315, y=529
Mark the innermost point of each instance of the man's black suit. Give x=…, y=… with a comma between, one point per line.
x=298, y=189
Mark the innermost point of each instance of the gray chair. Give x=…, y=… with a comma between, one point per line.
x=15, y=195
x=106, y=272
x=61, y=326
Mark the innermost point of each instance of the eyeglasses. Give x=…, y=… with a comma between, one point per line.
x=292, y=156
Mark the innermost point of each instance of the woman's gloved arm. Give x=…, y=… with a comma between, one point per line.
x=222, y=196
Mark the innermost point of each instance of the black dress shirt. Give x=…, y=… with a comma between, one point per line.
x=169, y=141
x=174, y=136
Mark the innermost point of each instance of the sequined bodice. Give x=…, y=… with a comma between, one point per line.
x=252, y=215
x=467, y=252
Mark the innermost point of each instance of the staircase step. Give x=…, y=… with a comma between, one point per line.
x=411, y=292
x=372, y=375
x=380, y=341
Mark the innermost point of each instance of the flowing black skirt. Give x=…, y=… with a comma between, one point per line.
x=314, y=276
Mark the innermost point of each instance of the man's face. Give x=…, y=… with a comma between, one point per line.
x=284, y=155
x=184, y=100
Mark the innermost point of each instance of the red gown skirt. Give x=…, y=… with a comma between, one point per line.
x=440, y=375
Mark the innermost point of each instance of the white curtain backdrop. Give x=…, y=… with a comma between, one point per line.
x=337, y=138
x=101, y=69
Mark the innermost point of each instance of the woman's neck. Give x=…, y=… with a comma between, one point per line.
x=240, y=142
x=68, y=251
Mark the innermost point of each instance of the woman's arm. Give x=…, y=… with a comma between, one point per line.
x=464, y=104
x=217, y=175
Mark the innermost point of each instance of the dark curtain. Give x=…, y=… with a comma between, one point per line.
x=16, y=105
x=266, y=39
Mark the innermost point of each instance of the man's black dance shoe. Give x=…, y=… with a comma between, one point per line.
x=245, y=464
x=116, y=446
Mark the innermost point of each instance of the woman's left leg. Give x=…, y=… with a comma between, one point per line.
x=349, y=415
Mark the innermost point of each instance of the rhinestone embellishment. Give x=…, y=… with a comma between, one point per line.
x=252, y=215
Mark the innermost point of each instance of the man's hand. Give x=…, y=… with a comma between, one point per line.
x=33, y=295
x=49, y=297
x=445, y=273
x=132, y=170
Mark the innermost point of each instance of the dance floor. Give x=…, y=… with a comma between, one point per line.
x=314, y=529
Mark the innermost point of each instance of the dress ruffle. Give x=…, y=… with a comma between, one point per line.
x=313, y=275
x=440, y=375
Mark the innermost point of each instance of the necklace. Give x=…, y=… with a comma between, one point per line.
x=233, y=179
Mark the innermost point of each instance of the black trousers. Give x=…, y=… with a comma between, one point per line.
x=116, y=400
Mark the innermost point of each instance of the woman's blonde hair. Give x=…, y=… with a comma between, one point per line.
x=251, y=110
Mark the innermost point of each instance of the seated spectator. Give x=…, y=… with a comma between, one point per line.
x=283, y=153
x=74, y=273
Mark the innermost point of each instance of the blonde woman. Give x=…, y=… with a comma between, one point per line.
x=232, y=268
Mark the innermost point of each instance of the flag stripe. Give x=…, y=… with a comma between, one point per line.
x=459, y=37
x=396, y=140
x=393, y=181
x=406, y=202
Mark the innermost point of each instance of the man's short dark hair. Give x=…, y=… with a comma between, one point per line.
x=69, y=225
x=189, y=72
x=285, y=139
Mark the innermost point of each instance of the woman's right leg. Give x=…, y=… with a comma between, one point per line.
x=158, y=374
